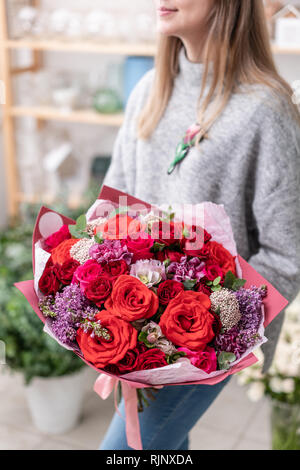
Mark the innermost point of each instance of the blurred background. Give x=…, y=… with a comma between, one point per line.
x=67, y=69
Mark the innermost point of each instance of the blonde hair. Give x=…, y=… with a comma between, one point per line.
x=239, y=47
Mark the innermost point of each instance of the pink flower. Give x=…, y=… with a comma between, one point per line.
x=58, y=237
x=205, y=360
x=87, y=273
x=191, y=133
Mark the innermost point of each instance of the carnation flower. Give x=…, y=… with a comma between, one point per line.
x=184, y=270
x=149, y=272
x=110, y=250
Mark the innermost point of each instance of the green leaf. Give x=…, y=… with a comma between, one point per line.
x=232, y=282
x=217, y=281
x=189, y=284
x=74, y=231
x=98, y=239
x=157, y=247
x=216, y=288
x=209, y=283
x=225, y=359
x=81, y=222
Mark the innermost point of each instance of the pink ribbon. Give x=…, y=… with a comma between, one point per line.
x=104, y=386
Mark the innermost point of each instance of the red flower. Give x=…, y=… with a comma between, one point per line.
x=58, y=237
x=66, y=271
x=140, y=247
x=151, y=359
x=129, y=363
x=220, y=256
x=173, y=256
x=201, y=287
x=118, y=227
x=115, y=268
x=61, y=253
x=98, y=290
x=49, y=283
x=167, y=233
x=167, y=290
x=102, y=352
x=187, y=321
x=212, y=271
x=194, y=244
x=131, y=299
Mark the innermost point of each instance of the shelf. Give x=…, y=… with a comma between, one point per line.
x=85, y=117
x=115, y=48
x=118, y=48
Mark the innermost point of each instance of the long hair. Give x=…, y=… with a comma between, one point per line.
x=238, y=46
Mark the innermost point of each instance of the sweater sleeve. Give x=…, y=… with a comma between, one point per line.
x=276, y=211
x=121, y=173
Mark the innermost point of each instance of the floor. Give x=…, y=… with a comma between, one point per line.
x=233, y=422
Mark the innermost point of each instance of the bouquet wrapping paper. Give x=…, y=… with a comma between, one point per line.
x=216, y=221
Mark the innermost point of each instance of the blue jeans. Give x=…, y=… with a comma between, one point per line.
x=166, y=423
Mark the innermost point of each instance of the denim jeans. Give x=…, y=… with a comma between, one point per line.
x=166, y=423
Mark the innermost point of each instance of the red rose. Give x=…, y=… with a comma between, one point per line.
x=201, y=287
x=49, y=283
x=98, y=290
x=140, y=247
x=115, y=268
x=56, y=238
x=61, y=253
x=87, y=272
x=118, y=227
x=187, y=321
x=173, y=256
x=101, y=352
x=167, y=233
x=66, y=271
x=131, y=299
x=220, y=256
x=212, y=271
x=151, y=359
x=129, y=363
x=194, y=244
x=167, y=290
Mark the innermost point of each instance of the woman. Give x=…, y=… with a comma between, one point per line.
x=214, y=66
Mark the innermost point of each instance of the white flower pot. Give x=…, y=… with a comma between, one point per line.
x=55, y=403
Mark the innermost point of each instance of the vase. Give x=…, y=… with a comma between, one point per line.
x=285, y=421
x=55, y=403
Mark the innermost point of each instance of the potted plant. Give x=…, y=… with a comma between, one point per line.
x=281, y=384
x=54, y=377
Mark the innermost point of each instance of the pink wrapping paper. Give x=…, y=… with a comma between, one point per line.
x=49, y=221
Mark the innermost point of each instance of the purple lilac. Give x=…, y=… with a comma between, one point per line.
x=187, y=270
x=110, y=250
x=245, y=334
x=68, y=309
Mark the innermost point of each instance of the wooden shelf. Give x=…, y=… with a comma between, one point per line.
x=115, y=48
x=51, y=113
x=112, y=48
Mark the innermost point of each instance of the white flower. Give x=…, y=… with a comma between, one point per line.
x=288, y=386
x=149, y=272
x=256, y=391
x=276, y=385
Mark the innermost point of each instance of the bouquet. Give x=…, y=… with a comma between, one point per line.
x=149, y=296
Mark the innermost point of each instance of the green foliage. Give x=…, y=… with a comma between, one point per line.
x=28, y=349
x=79, y=229
x=232, y=282
x=225, y=359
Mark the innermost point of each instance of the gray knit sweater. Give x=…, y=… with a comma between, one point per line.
x=250, y=163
